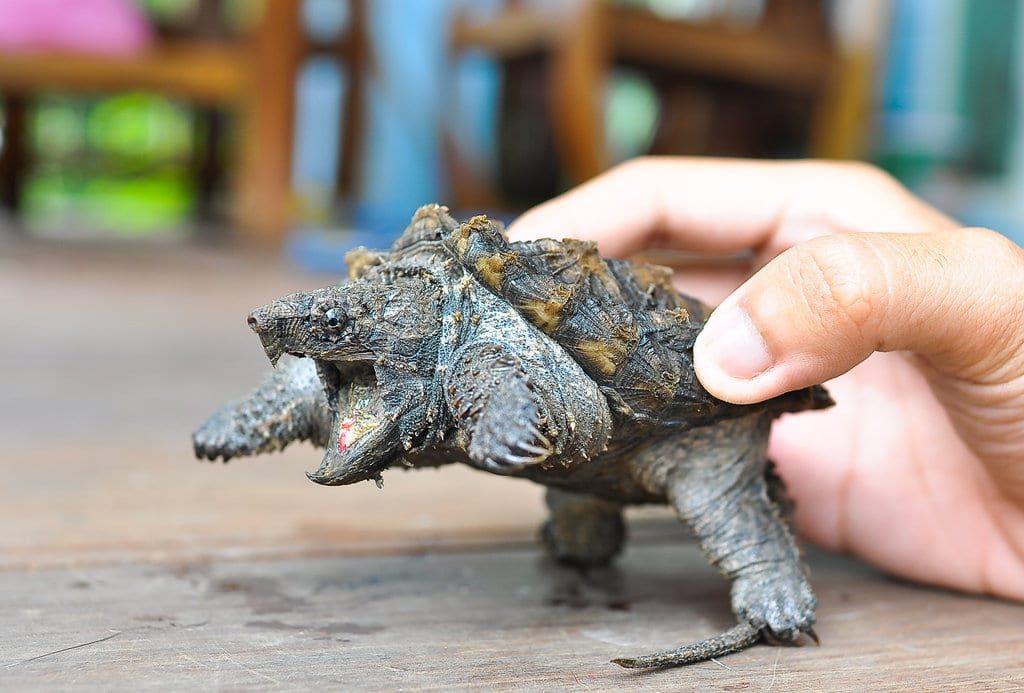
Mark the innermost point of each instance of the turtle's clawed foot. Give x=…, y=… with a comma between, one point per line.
x=229, y=432
x=776, y=607
x=778, y=602
x=218, y=437
x=507, y=436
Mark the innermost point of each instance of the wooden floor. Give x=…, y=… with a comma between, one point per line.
x=126, y=563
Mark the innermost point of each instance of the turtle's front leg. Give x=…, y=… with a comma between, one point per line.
x=718, y=488
x=583, y=530
x=495, y=403
x=517, y=405
x=288, y=405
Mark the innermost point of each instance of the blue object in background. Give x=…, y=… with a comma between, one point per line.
x=471, y=117
x=411, y=97
x=413, y=94
x=319, y=94
x=324, y=251
x=401, y=167
x=921, y=128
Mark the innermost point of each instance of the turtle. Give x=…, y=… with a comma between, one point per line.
x=541, y=360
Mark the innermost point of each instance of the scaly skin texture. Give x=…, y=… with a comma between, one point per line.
x=539, y=360
x=288, y=405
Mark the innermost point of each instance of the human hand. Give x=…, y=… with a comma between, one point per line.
x=919, y=469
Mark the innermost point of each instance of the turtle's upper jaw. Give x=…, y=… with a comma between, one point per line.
x=280, y=324
x=317, y=324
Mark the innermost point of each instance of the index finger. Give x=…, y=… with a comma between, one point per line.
x=727, y=205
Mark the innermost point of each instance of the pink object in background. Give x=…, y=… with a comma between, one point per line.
x=110, y=27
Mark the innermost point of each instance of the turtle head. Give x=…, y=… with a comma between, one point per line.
x=368, y=340
x=321, y=324
x=352, y=323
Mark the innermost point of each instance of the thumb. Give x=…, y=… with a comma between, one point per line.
x=820, y=308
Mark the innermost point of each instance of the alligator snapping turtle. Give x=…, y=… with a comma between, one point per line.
x=540, y=360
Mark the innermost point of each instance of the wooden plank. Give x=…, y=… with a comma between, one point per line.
x=96, y=421
x=13, y=151
x=204, y=72
x=487, y=620
x=111, y=534
x=355, y=53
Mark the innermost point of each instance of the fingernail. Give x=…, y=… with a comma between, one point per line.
x=733, y=344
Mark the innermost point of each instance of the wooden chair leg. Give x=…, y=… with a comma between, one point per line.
x=263, y=172
x=356, y=63
x=207, y=161
x=13, y=151
x=579, y=67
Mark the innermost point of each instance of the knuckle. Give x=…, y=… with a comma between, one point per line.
x=869, y=174
x=637, y=166
x=844, y=281
x=993, y=246
x=865, y=175
x=1002, y=259
x=853, y=174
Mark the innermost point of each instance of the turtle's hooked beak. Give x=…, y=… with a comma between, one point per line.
x=280, y=324
x=363, y=441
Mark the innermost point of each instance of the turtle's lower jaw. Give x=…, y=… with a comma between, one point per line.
x=340, y=470
x=362, y=441
x=327, y=475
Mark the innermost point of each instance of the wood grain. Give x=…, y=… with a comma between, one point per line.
x=117, y=357
x=472, y=621
x=124, y=560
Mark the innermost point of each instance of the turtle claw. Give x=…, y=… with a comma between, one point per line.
x=813, y=636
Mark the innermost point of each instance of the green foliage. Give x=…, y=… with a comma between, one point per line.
x=139, y=127
x=120, y=205
x=57, y=128
x=168, y=11
x=119, y=164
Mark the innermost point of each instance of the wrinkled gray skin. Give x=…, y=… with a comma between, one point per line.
x=537, y=360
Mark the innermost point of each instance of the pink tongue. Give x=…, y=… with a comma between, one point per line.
x=346, y=430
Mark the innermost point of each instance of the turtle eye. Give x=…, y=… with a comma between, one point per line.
x=331, y=317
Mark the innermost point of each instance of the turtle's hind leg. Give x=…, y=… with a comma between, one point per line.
x=720, y=490
x=718, y=481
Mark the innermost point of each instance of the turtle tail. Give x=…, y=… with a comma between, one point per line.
x=739, y=637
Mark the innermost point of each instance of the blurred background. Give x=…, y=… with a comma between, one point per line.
x=167, y=165
x=270, y=121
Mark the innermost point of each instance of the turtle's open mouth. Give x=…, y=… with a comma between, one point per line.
x=333, y=374
x=352, y=415
x=358, y=412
